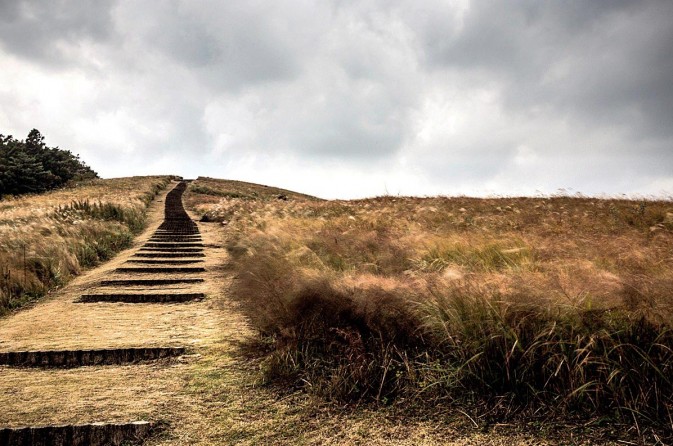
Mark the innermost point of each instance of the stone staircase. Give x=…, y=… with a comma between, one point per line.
x=162, y=271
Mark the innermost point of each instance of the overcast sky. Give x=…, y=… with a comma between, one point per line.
x=351, y=98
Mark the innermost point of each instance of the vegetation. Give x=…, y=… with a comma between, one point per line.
x=206, y=194
x=45, y=239
x=503, y=308
x=31, y=167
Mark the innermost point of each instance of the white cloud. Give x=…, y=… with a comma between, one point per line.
x=347, y=99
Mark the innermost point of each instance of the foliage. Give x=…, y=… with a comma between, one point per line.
x=31, y=166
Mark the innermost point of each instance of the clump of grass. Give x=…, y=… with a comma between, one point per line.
x=359, y=339
x=519, y=356
x=131, y=217
x=330, y=338
x=48, y=238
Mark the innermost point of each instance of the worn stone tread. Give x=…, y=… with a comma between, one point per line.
x=173, y=245
x=81, y=358
x=168, y=254
x=141, y=297
x=163, y=249
x=94, y=434
x=165, y=261
x=161, y=270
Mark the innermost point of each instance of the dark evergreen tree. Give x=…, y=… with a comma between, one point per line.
x=30, y=166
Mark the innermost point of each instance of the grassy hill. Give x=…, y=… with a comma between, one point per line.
x=551, y=316
x=535, y=309
x=206, y=196
x=47, y=238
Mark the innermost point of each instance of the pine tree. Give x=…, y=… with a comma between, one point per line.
x=32, y=167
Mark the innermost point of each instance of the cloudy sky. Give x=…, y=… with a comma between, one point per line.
x=352, y=98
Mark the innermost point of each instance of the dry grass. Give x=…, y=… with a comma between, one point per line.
x=205, y=195
x=224, y=404
x=214, y=396
x=33, y=397
x=546, y=307
x=47, y=239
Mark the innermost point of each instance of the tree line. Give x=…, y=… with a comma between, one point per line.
x=31, y=166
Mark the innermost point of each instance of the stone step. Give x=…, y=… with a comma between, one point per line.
x=148, y=282
x=174, y=241
x=173, y=238
x=167, y=254
x=170, y=234
x=162, y=270
x=173, y=245
x=94, y=434
x=172, y=249
x=140, y=298
x=80, y=358
x=178, y=226
x=165, y=261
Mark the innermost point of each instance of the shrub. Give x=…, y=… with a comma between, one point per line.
x=502, y=357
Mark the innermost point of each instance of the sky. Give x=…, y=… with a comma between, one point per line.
x=347, y=99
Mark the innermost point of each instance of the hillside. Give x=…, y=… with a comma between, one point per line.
x=46, y=239
x=206, y=195
x=264, y=316
x=507, y=308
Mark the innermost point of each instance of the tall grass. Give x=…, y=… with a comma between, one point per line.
x=367, y=338
x=48, y=238
x=133, y=217
x=521, y=356
x=546, y=308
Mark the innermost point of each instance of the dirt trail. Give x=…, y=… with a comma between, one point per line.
x=61, y=322
x=112, y=393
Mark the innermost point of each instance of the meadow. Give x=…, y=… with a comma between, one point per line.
x=46, y=239
x=536, y=309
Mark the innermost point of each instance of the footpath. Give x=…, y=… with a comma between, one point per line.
x=95, y=363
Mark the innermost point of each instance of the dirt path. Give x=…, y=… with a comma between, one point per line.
x=121, y=392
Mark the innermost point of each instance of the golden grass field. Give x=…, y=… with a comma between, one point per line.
x=599, y=253
x=46, y=239
x=211, y=396
x=540, y=308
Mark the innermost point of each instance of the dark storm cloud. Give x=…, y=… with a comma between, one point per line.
x=611, y=62
x=44, y=30
x=416, y=97
x=226, y=44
